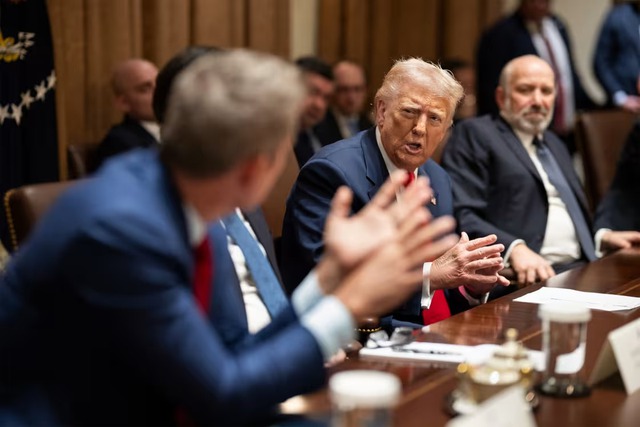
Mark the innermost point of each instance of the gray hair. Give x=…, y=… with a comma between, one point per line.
x=416, y=71
x=227, y=107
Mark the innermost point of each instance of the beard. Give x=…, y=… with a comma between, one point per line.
x=525, y=124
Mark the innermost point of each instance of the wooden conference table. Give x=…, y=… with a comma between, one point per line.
x=425, y=386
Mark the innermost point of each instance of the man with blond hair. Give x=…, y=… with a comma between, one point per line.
x=414, y=109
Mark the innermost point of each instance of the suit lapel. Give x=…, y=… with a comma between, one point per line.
x=377, y=171
x=515, y=145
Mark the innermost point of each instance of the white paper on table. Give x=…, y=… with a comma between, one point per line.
x=593, y=300
x=445, y=353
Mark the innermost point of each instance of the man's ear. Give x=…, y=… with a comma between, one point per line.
x=122, y=104
x=500, y=95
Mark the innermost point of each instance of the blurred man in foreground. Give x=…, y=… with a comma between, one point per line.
x=104, y=313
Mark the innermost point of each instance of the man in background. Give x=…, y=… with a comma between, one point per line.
x=616, y=62
x=133, y=82
x=348, y=114
x=414, y=110
x=318, y=79
x=532, y=30
x=512, y=177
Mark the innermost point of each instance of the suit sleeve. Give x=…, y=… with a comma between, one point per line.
x=605, y=57
x=467, y=159
x=142, y=305
x=307, y=208
x=620, y=207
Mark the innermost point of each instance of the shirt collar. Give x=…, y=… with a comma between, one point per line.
x=196, y=226
x=391, y=168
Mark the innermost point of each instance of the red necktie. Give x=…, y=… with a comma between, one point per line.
x=203, y=273
x=439, y=308
x=202, y=276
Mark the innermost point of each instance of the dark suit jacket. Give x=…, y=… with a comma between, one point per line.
x=616, y=62
x=620, y=207
x=496, y=187
x=328, y=130
x=98, y=324
x=124, y=136
x=506, y=40
x=357, y=163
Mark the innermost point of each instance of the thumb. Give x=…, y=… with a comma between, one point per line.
x=341, y=203
x=464, y=237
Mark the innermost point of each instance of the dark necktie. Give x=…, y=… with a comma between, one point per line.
x=203, y=274
x=261, y=271
x=439, y=308
x=558, y=180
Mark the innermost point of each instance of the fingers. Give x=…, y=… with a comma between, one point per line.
x=482, y=241
x=414, y=198
x=341, y=203
x=387, y=193
x=432, y=250
x=428, y=233
x=415, y=222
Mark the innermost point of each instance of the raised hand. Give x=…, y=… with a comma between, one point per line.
x=474, y=264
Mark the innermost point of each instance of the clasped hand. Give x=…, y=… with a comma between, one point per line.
x=373, y=259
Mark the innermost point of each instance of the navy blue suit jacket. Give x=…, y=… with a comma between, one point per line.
x=98, y=324
x=124, y=136
x=616, y=61
x=620, y=207
x=509, y=38
x=357, y=163
x=496, y=187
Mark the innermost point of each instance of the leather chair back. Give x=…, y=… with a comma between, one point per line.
x=81, y=159
x=600, y=137
x=24, y=206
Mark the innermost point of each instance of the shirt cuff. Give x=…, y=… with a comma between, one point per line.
x=473, y=301
x=507, y=254
x=619, y=98
x=331, y=324
x=425, y=300
x=307, y=294
x=598, y=241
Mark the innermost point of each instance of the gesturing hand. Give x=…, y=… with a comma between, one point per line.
x=474, y=264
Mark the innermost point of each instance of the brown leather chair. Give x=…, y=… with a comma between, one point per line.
x=600, y=138
x=81, y=159
x=25, y=206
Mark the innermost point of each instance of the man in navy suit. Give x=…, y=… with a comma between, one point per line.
x=133, y=82
x=318, y=78
x=532, y=30
x=347, y=115
x=620, y=207
x=414, y=110
x=616, y=61
x=105, y=311
x=514, y=178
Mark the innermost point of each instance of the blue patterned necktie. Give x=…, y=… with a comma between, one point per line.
x=265, y=279
x=558, y=180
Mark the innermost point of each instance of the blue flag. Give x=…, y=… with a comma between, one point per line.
x=28, y=141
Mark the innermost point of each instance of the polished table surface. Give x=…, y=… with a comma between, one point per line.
x=426, y=386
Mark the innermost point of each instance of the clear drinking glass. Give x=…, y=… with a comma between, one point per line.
x=363, y=398
x=564, y=342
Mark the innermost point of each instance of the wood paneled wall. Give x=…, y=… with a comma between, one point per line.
x=91, y=36
x=377, y=32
